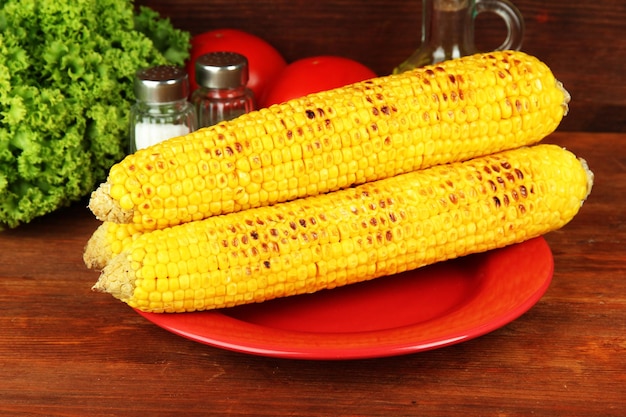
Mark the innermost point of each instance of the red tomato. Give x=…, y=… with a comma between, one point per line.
x=264, y=61
x=314, y=74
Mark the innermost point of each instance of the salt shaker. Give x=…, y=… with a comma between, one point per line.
x=223, y=94
x=162, y=109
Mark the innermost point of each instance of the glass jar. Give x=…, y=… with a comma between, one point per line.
x=162, y=109
x=223, y=94
x=448, y=30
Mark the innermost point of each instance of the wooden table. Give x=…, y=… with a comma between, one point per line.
x=66, y=351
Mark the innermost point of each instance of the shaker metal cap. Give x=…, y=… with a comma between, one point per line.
x=222, y=70
x=161, y=84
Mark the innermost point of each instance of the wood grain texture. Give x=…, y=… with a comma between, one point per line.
x=582, y=41
x=66, y=351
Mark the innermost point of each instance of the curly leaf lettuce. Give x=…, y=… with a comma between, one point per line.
x=66, y=75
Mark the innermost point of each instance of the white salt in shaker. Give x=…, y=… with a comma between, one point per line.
x=162, y=110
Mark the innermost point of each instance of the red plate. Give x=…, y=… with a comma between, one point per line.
x=419, y=310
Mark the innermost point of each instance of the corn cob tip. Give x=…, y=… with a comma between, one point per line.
x=567, y=97
x=116, y=279
x=590, y=178
x=97, y=252
x=105, y=208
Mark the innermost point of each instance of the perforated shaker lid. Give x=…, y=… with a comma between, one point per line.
x=161, y=84
x=222, y=70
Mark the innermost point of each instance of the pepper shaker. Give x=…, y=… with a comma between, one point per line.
x=223, y=94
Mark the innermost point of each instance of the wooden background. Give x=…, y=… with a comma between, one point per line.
x=583, y=41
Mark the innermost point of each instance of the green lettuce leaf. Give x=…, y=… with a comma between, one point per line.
x=66, y=76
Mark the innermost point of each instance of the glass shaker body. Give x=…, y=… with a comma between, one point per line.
x=222, y=94
x=214, y=105
x=162, y=110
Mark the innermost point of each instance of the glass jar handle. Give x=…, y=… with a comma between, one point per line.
x=512, y=18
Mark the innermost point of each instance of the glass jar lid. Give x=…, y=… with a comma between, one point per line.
x=161, y=84
x=222, y=70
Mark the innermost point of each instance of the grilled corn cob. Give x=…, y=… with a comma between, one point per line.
x=372, y=230
x=335, y=139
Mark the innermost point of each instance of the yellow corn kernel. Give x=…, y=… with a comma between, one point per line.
x=365, y=232
x=371, y=130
